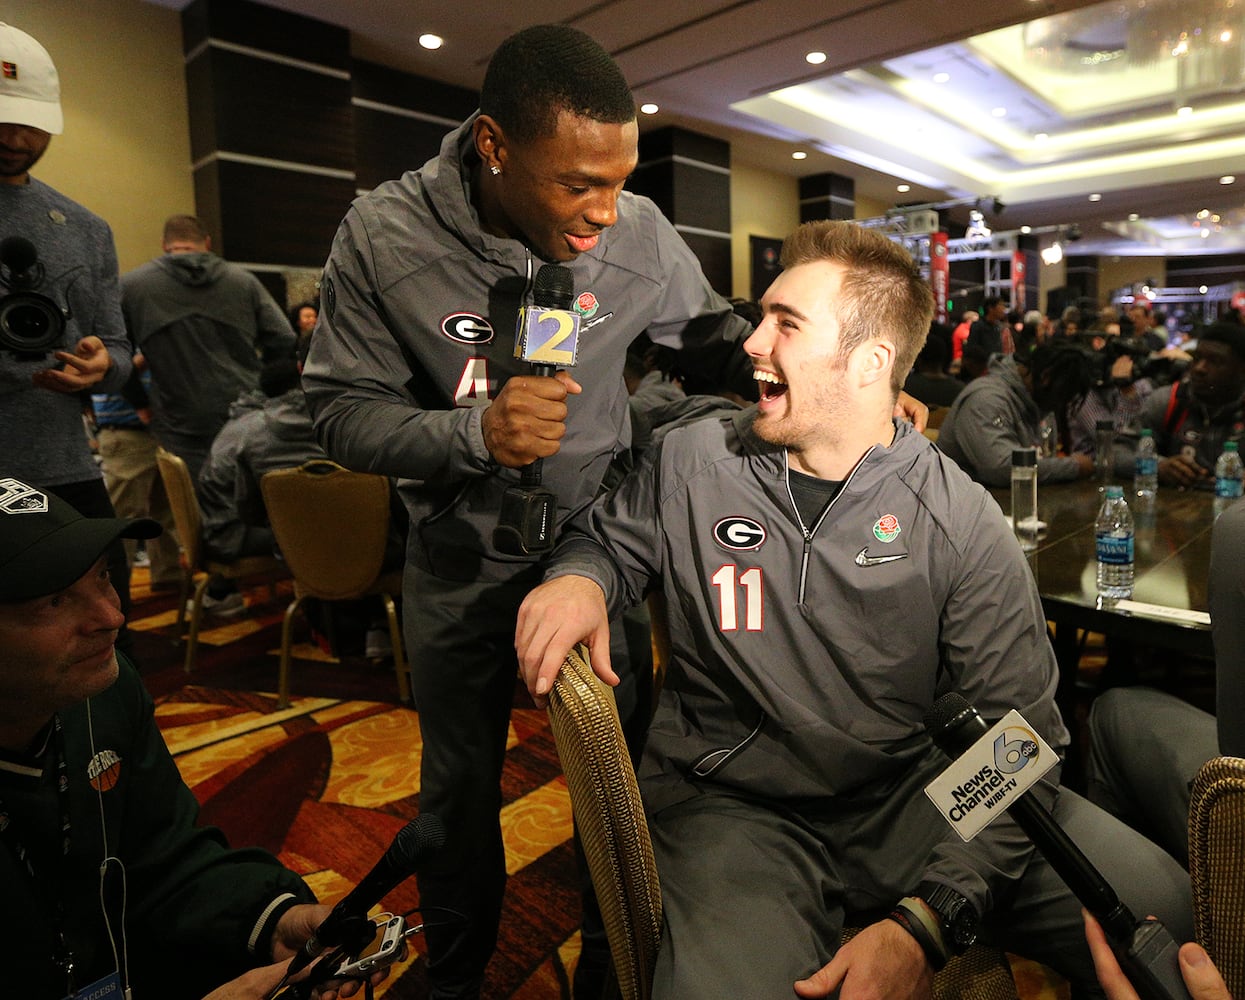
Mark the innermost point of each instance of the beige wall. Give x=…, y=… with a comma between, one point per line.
x=762, y=204
x=125, y=152
x=1116, y=272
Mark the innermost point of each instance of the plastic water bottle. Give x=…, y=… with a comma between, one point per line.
x=1146, y=467
x=1104, y=451
x=1228, y=477
x=1024, y=497
x=1113, y=533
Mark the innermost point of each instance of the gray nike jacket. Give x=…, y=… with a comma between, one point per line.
x=806, y=657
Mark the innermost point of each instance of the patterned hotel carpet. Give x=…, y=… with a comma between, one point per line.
x=328, y=782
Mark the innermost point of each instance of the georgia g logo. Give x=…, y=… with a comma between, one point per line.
x=467, y=328
x=740, y=534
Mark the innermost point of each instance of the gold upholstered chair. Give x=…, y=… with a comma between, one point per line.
x=331, y=526
x=196, y=566
x=1217, y=865
x=605, y=800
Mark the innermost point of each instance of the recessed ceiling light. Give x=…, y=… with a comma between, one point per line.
x=815, y=58
x=941, y=77
x=1133, y=216
x=1095, y=197
x=799, y=154
x=998, y=112
x=1203, y=289
x=1205, y=234
x=1203, y=213
x=904, y=188
x=1227, y=179
x=649, y=109
x=431, y=41
x=1184, y=112
x=1026, y=230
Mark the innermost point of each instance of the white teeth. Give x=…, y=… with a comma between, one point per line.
x=761, y=376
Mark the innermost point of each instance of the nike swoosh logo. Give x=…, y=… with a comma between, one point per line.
x=864, y=559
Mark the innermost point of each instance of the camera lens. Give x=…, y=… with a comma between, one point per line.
x=30, y=323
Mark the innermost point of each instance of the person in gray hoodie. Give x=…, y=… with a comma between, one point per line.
x=1005, y=410
x=205, y=327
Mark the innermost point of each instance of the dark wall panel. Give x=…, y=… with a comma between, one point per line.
x=663, y=143
x=268, y=109
x=715, y=259
x=415, y=93
x=272, y=216
x=702, y=198
x=388, y=145
x=245, y=23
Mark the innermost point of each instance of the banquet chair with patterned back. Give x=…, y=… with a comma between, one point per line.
x=609, y=817
x=1217, y=865
x=195, y=562
x=331, y=526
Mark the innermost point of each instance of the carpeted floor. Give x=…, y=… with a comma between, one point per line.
x=326, y=783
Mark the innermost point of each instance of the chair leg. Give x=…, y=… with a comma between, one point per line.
x=283, y=674
x=395, y=640
x=196, y=614
x=183, y=596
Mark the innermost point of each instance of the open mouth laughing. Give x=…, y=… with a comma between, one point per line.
x=769, y=385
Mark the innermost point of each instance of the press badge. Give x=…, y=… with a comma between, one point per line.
x=990, y=775
x=108, y=988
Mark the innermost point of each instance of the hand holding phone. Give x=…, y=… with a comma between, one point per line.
x=387, y=946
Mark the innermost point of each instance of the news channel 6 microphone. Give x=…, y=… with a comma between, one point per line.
x=1145, y=948
x=547, y=338
x=31, y=324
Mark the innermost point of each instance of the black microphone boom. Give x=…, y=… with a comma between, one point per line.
x=421, y=838
x=1146, y=949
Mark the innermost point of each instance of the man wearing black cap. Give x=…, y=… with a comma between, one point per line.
x=108, y=881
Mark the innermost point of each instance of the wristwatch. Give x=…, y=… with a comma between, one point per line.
x=956, y=915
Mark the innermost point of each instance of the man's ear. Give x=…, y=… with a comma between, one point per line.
x=490, y=142
x=875, y=360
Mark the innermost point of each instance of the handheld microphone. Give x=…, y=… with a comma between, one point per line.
x=548, y=338
x=21, y=260
x=1146, y=949
x=347, y=923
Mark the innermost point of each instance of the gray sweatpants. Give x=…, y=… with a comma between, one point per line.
x=1145, y=748
x=755, y=898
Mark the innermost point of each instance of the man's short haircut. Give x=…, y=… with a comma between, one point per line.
x=543, y=70
x=1231, y=334
x=184, y=227
x=882, y=292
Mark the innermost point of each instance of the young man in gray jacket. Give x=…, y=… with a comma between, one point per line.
x=829, y=575
x=412, y=374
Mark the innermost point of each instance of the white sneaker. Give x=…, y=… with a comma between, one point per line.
x=376, y=644
x=230, y=606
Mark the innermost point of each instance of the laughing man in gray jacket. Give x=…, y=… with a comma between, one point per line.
x=829, y=575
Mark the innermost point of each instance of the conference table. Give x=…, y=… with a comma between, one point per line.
x=1169, y=606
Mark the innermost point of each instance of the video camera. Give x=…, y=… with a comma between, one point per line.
x=1102, y=359
x=31, y=324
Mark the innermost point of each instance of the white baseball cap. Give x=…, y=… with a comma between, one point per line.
x=30, y=90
